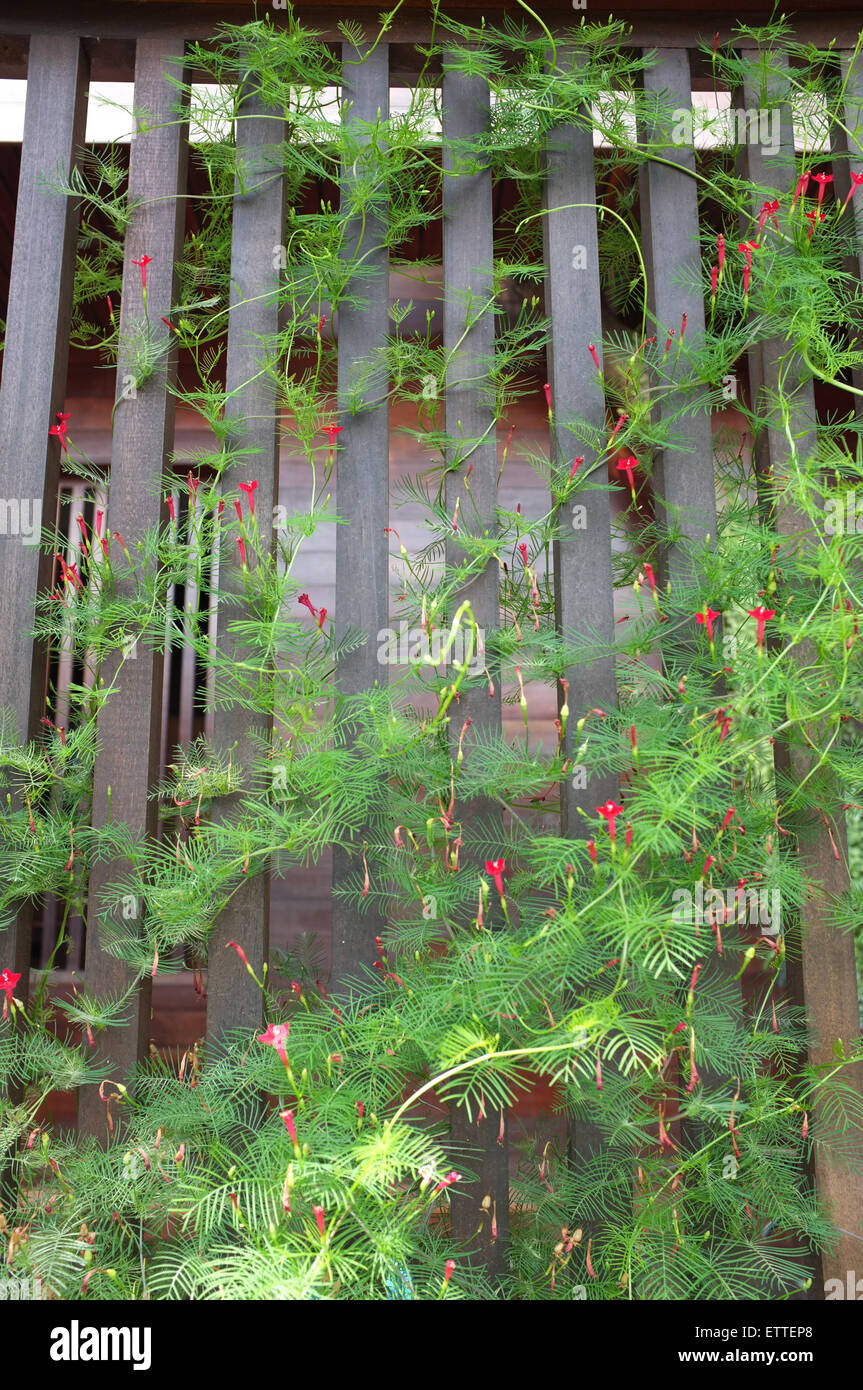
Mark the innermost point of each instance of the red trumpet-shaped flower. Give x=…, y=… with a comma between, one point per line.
x=720, y=251
x=707, y=619
x=276, y=1036
x=448, y=1271
x=822, y=181
x=448, y=1180
x=249, y=490
x=813, y=217
x=761, y=616
x=802, y=186
x=626, y=466
x=714, y=280
x=288, y=1117
x=8, y=981
x=747, y=247
x=856, y=180
x=241, y=545
x=770, y=210
x=60, y=430
x=495, y=867
x=592, y=350
x=611, y=811
x=318, y=1213
x=142, y=264
x=307, y=603
x=547, y=389
x=331, y=431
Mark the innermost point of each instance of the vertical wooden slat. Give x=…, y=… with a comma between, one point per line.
x=850, y=141
x=683, y=476
x=583, y=587
x=34, y=380
x=822, y=977
x=467, y=265
x=233, y=998
x=127, y=764
x=362, y=474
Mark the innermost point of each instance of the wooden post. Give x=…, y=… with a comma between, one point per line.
x=233, y=998
x=822, y=976
x=362, y=475
x=129, y=724
x=583, y=584
x=467, y=266
x=34, y=383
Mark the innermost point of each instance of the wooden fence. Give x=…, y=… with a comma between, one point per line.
x=64, y=43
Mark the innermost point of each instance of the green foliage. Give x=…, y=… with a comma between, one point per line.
x=582, y=972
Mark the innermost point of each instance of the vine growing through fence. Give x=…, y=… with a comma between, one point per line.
x=311, y=1160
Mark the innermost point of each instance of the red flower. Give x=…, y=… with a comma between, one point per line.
x=729, y=816
x=143, y=263
x=626, y=466
x=714, y=280
x=8, y=981
x=240, y=952
x=495, y=867
x=575, y=467
x=611, y=811
x=307, y=603
x=621, y=421
x=321, y=616
x=768, y=210
x=591, y=849
x=720, y=251
x=288, y=1117
x=747, y=247
x=856, y=180
x=448, y=1180
x=813, y=217
x=523, y=548
x=249, y=490
x=592, y=350
x=318, y=1213
x=649, y=576
x=331, y=431
x=822, y=181
x=242, y=548
x=277, y=1036
x=169, y=498
x=60, y=431
x=802, y=186
x=448, y=1271
x=707, y=619
x=547, y=389
x=761, y=616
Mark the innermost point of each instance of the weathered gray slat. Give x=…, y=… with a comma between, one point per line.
x=362, y=480
x=850, y=140
x=583, y=588
x=34, y=381
x=467, y=262
x=233, y=998
x=584, y=593
x=821, y=968
x=127, y=764
x=683, y=477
